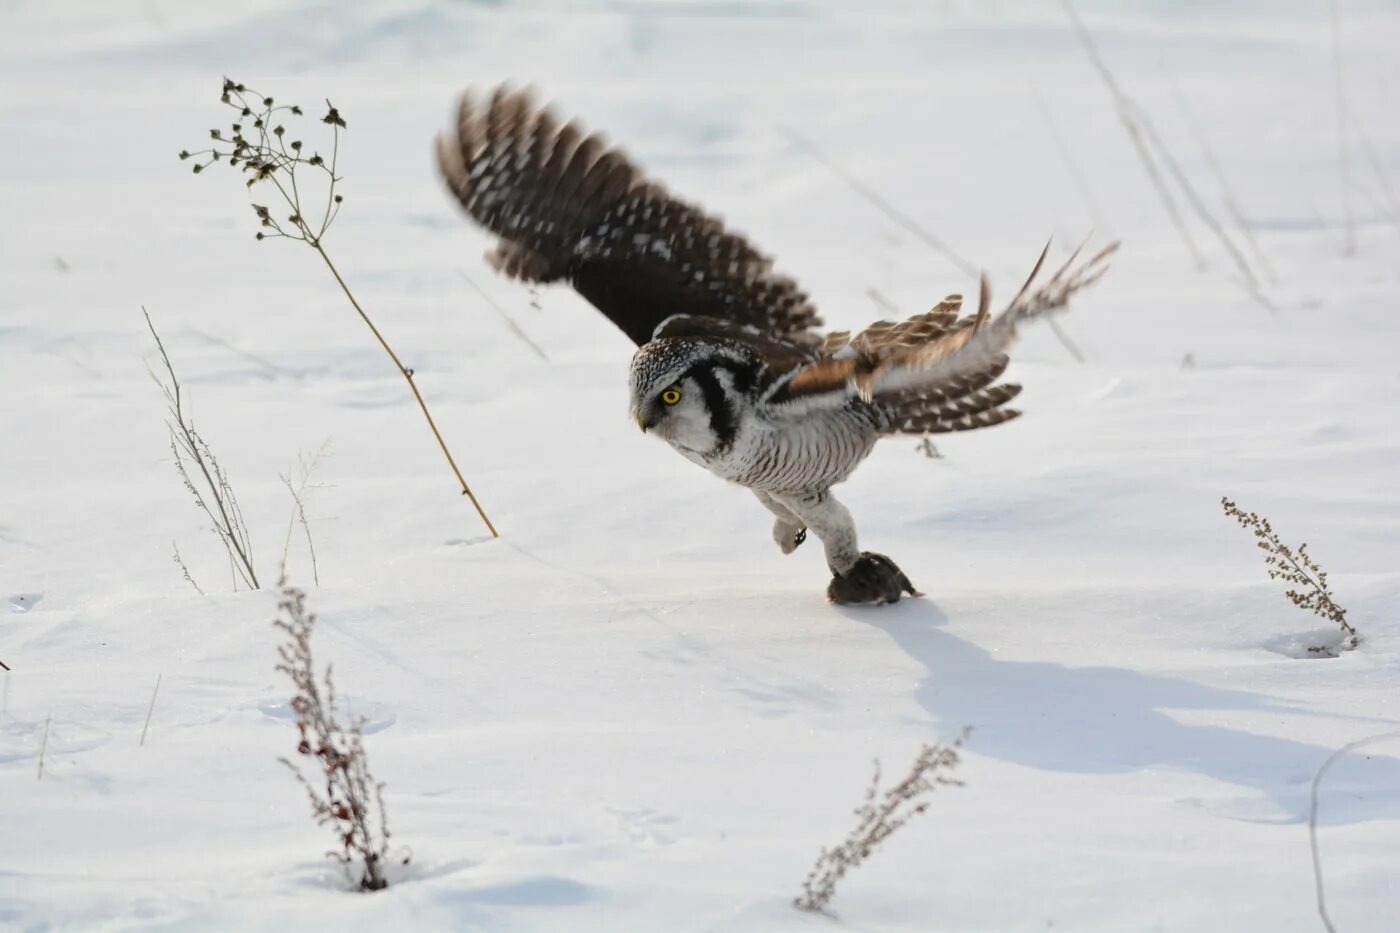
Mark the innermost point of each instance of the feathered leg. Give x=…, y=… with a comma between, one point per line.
x=858, y=577
x=788, y=529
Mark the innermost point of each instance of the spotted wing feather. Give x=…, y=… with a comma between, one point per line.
x=935, y=372
x=569, y=208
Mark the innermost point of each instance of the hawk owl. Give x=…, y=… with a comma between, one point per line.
x=729, y=369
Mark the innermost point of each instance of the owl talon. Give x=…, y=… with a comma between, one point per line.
x=873, y=580
x=788, y=536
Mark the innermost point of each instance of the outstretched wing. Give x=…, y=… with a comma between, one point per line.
x=568, y=208
x=935, y=372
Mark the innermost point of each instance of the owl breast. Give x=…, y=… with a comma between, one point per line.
x=809, y=454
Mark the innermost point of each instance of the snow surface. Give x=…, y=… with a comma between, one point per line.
x=631, y=712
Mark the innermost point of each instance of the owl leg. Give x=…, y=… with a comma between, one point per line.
x=788, y=529
x=858, y=577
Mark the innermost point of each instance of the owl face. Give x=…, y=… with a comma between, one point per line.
x=675, y=396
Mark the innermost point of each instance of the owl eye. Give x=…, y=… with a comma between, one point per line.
x=671, y=396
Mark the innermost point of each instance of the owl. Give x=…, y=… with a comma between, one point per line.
x=730, y=368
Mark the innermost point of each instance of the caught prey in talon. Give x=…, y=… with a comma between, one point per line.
x=730, y=368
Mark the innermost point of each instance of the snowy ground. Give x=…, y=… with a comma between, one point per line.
x=631, y=712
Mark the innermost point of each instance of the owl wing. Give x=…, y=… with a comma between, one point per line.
x=935, y=372
x=569, y=208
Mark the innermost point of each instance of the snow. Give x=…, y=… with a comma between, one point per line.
x=631, y=712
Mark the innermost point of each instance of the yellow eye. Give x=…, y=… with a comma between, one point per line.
x=671, y=396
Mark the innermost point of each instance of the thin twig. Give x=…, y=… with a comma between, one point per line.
x=228, y=523
x=510, y=321
x=883, y=302
x=408, y=375
x=1071, y=164
x=885, y=207
x=299, y=511
x=258, y=147
x=1065, y=342
x=1245, y=225
x=1391, y=201
x=1251, y=283
x=1120, y=104
x=4, y=666
x=149, y=710
x=180, y=562
x=44, y=746
x=1312, y=818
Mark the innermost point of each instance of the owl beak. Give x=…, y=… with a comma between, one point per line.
x=642, y=423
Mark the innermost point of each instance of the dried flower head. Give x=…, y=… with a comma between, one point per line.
x=1308, y=582
x=264, y=155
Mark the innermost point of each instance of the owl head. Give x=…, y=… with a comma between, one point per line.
x=689, y=390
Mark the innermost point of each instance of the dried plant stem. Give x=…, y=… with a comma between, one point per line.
x=882, y=301
x=149, y=710
x=879, y=817
x=1250, y=282
x=1121, y=106
x=1312, y=818
x=1389, y=201
x=184, y=570
x=515, y=328
x=1343, y=156
x=259, y=147
x=885, y=207
x=1070, y=162
x=1232, y=204
x=6, y=667
x=299, y=512
x=412, y=384
x=345, y=797
x=44, y=746
x=186, y=443
x=1299, y=569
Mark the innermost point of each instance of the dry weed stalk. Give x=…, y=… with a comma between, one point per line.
x=344, y=795
x=44, y=746
x=260, y=148
x=879, y=817
x=1144, y=136
x=1232, y=204
x=1318, y=884
x=1297, y=568
x=1081, y=181
x=184, y=569
x=298, y=516
x=515, y=328
x=213, y=494
x=149, y=710
x=1134, y=132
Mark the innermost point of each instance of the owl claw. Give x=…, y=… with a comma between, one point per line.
x=788, y=537
x=874, y=579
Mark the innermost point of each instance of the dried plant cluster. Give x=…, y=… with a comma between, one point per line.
x=878, y=818
x=1307, y=581
x=259, y=145
x=204, y=478
x=344, y=794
